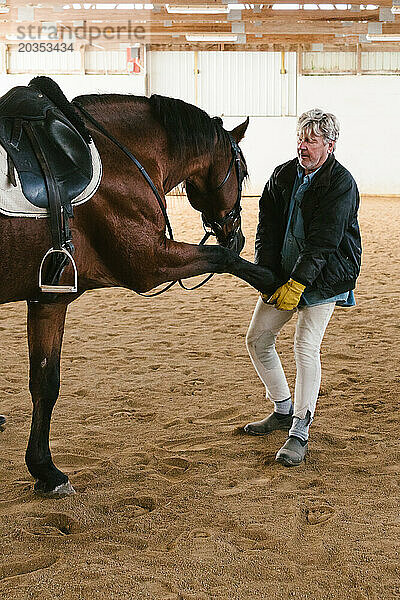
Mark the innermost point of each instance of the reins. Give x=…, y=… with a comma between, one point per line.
x=236, y=209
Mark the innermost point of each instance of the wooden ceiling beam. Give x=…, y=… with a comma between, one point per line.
x=265, y=26
x=44, y=14
x=278, y=28
x=272, y=29
x=161, y=5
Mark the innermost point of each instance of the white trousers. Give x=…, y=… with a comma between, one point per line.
x=311, y=324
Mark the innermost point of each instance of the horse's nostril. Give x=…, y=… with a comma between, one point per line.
x=234, y=242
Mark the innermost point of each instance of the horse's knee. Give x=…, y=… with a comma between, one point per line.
x=220, y=259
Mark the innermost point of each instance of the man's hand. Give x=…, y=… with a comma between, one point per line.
x=287, y=296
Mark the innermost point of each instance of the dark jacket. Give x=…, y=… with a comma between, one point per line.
x=331, y=259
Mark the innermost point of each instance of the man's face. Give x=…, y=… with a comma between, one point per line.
x=312, y=151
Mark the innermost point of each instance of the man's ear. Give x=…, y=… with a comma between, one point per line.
x=240, y=130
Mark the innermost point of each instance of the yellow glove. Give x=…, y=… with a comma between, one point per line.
x=288, y=295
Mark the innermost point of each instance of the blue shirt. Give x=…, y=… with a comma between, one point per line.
x=294, y=242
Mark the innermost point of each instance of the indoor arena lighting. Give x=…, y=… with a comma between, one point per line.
x=332, y=6
x=196, y=10
x=312, y=6
x=135, y=6
x=382, y=37
x=285, y=6
x=396, y=7
x=107, y=6
x=211, y=37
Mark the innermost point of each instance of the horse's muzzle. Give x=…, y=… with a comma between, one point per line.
x=234, y=241
x=238, y=242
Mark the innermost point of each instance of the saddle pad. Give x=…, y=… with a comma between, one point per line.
x=13, y=203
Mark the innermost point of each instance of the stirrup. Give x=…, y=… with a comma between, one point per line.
x=58, y=289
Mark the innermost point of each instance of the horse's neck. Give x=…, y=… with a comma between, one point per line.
x=139, y=131
x=180, y=171
x=130, y=123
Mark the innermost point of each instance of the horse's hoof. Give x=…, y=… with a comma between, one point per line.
x=60, y=491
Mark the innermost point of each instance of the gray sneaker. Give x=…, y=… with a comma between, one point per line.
x=2, y=422
x=269, y=424
x=292, y=452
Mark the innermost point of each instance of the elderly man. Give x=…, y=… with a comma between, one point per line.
x=308, y=235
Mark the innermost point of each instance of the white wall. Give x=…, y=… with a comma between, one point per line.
x=74, y=85
x=367, y=108
x=227, y=83
x=269, y=141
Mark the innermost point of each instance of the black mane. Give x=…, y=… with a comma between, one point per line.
x=53, y=91
x=187, y=127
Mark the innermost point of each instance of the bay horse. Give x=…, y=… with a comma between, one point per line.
x=120, y=234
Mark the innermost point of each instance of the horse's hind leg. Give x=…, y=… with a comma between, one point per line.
x=45, y=333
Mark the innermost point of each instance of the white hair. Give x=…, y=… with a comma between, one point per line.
x=318, y=122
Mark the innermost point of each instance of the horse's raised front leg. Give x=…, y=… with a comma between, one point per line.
x=182, y=260
x=45, y=333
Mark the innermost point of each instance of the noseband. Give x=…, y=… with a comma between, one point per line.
x=216, y=225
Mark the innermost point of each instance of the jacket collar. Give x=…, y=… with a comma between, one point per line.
x=288, y=174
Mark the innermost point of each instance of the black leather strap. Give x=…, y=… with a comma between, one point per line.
x=55, y=206
x=11, y=171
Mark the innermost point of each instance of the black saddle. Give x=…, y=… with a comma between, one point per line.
x=54, y=166
x=28, y=120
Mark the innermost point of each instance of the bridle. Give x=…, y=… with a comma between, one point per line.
x=214, y=226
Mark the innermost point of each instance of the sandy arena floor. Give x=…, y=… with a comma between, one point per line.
x=173, y=502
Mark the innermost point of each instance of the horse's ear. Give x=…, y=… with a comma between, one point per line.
x=240, y=130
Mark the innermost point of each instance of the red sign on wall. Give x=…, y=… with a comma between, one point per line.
x=132, y=60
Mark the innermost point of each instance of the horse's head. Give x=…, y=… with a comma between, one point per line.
x=216, y=189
